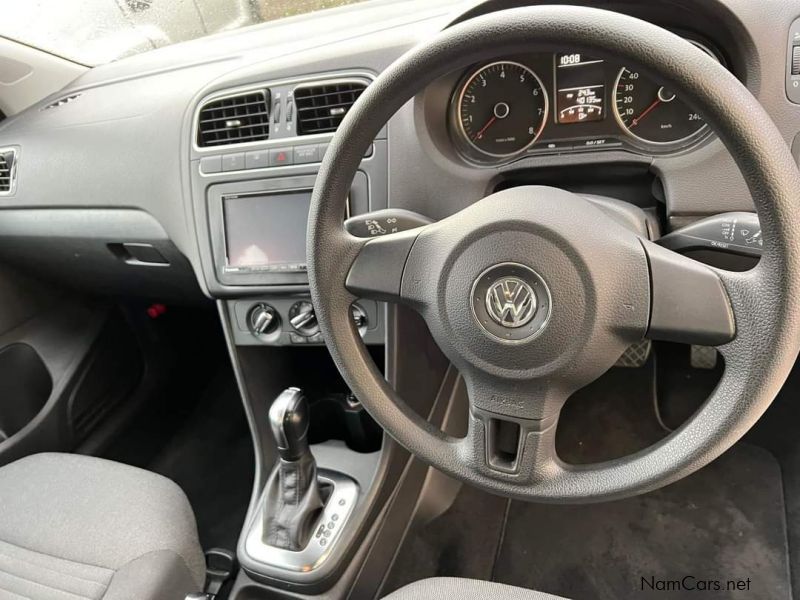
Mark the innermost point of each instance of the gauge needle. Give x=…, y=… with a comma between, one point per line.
x=479, y=135
x=645, y=112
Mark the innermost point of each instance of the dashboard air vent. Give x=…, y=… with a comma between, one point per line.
x=234, y=120
x=62, y=101
x=321, y=107
x=8, y=167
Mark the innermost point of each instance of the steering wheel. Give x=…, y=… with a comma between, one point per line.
x=533, y=292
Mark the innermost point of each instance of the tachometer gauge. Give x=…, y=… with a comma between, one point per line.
x=651, y=112
x=500, y=110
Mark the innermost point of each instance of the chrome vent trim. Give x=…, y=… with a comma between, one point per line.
x=8, y=171
x=322, y=105
x=234, y=119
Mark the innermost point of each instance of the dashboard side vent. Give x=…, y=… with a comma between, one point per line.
x=8, y=167
x=62, y=101
x=321, y=107
x=234, y=119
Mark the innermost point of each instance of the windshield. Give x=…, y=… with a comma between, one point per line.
x=94, y=32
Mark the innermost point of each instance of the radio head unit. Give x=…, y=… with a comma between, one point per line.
x=258, y=228
x=266, y=232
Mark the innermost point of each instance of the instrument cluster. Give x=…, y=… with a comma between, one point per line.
x=567, y=101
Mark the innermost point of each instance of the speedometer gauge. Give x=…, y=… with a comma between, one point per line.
x=651, y=112
x=500, y=110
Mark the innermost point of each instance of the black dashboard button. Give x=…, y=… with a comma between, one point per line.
x=211, y=164
x=551, y=147
x=597, y=144
x=257, y=159
x=233, y=162
x=306, y=154
x=323, y=148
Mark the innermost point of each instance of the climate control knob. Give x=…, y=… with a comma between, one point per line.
x=303, y=318
x=263, y=319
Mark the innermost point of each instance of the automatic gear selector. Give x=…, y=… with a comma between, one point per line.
x=304, y=510
x=293, y=492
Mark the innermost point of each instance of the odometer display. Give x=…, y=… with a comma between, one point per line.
x=501, y=109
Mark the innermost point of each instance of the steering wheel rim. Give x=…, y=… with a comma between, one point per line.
x=758, y=358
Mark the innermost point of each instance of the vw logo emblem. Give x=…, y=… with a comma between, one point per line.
x=511, y=302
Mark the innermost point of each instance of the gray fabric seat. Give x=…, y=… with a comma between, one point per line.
x=75, y=527
x=465, y=589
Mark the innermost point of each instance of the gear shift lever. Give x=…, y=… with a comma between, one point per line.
x=293, y=499
x=289, y=420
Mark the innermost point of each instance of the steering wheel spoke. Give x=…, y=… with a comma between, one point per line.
x=750, y=301
x=377, y=271
x=689, y=302
x=505, y=436
x=500, y=446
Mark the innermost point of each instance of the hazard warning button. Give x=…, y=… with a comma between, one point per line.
x=279, y=157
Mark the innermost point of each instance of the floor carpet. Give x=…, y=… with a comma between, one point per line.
x=193, y=430
x=724, y=523
x=211, y=457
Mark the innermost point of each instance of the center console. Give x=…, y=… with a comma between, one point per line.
x=256, y=150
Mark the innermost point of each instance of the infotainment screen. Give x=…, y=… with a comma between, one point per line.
x=266, y=231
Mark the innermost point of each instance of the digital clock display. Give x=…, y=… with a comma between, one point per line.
x=580, y=89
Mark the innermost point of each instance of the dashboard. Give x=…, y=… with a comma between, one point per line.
x=156, y=187
x=567, y=101
x=183, y=175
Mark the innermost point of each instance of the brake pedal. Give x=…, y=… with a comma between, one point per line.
x=636, y=355
x=703, y=357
